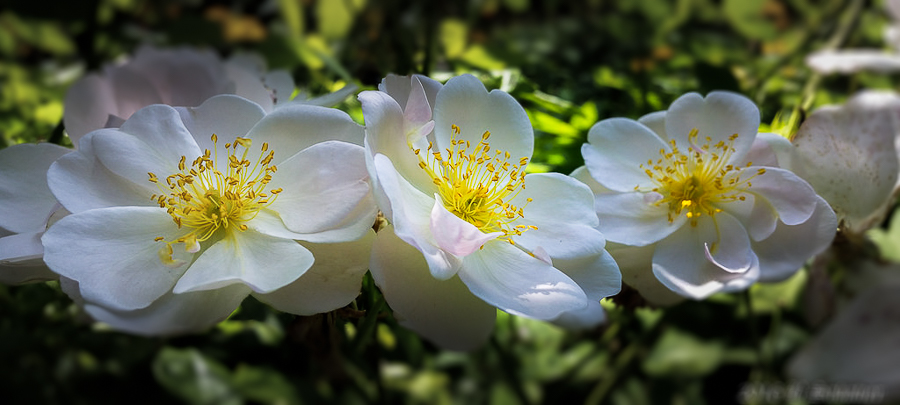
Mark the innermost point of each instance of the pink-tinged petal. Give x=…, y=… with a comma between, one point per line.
x=386, y=135
x=453, y=235
x=656, y=121
x=562, y=209
x=510, y=279
x=586, y=318
x=227, y=116
x=132, y=90
x=859, y=346
x=295, y=127
x=24, y=194
x=88, y=105
x=411, y=217
x=628, y=218
x=332, y=282
x=418, y=110
x=853, y=60
x=465, y=102
x=793, y=198
x=680, y=263
x=325, y=188
x=112, y=254
x=81, y=182
x=261, y=262
x=789, y=246
x=618, y=152
x=249, y=85
x=718, y=116
x=848, y=155
x=174, y=314
x=182, y=76
x=443, y=311
x=636, y=265
x=399, y=88
x=598, y=275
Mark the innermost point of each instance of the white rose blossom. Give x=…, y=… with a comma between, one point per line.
x=470, y=231
x=178, y=77
x=697, y=197
x=181, y=213
x=27, y=206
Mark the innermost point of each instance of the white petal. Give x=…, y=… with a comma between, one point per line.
x=464, y=102
x=510, y=279
x=81, y=182
x=21, y=259
x=249, y=85
x=454, y=235
x=25, y=198
x=281, y=84
x=636, y=265
x=627, y=218
x=264, y=263
x=183, y=76
x=853, y=60
x=443, y=311
x=227, y=116
x=87, y=106
x=848, y=155
x=680, y=263
x=111, y=253
x=725, y=242
x=582, y=319
x=132, y=90
x=767, y=150
x=793, y=198
x=656, y=121
x=174, y=314
x=583, y=175
x=417, y=110
x=323, y=188
x=718, y=116
x=398, y=87
x=598, y=275
x=785, y=251
x=295, y=127
x=616, y=151
x=331, y=283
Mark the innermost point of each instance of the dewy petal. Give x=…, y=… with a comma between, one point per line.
x=848, y=155
x=656, y=121
x=174, y=314
x=453, y=235
x=680, y=263
x=793, y=198
x=785, y=251
x=227, y=116
x=88, y=104
x=627, y=218
x=323, y=186
x=718, y=116
x=263, y=263
x=616, y=149
x=636, y=265
x=295, y=127
x=332, y=282
x=24, y=195
x=464, y=102
x=443, y=311
x=853, y=60
x=112, y=254
x=510, y=279
x=81, y=182
x=562, y=209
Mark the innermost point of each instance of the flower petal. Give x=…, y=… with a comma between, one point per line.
x=582, y=319
x=656, y=121
x=330, y=99
x=227, y=116
x=465, y=102
x=111, y=253
x=263, y=263
x=443, y=311
x=636, y=265
x=454, y=235
x=628, y=218
x=248, y=84
x=726, y=244
x=182, y=76
x=23, y=185
x=718, y=116
x=510, y=279
x=598, y=275
x=793, y=198
x=617, y=152
x=785, y=251
x=332, y=282
x=88, y=104
x=282, y=85
x=583, y=175
x=21, y=259
x=853, y=60
x=174, y=314
x=325, y=188
x=399, y=87
x=295, y=127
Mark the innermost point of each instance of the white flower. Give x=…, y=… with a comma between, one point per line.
x=854, y=60
x=182, y=212
x=470, y=231
x=699, y=189
x=27, y=206
x=849, y=155
x=177, y=77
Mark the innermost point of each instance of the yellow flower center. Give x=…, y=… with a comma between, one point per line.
x=477, y=185
x=204, y=200
x=697, y=182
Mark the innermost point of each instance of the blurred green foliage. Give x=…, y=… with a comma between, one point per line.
x=569, y=63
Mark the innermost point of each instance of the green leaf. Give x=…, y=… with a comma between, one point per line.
x=552, y=125
x=194, y=378
x=747, y=18
x=264, y=385
x=452, y=35
x=680, y=354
